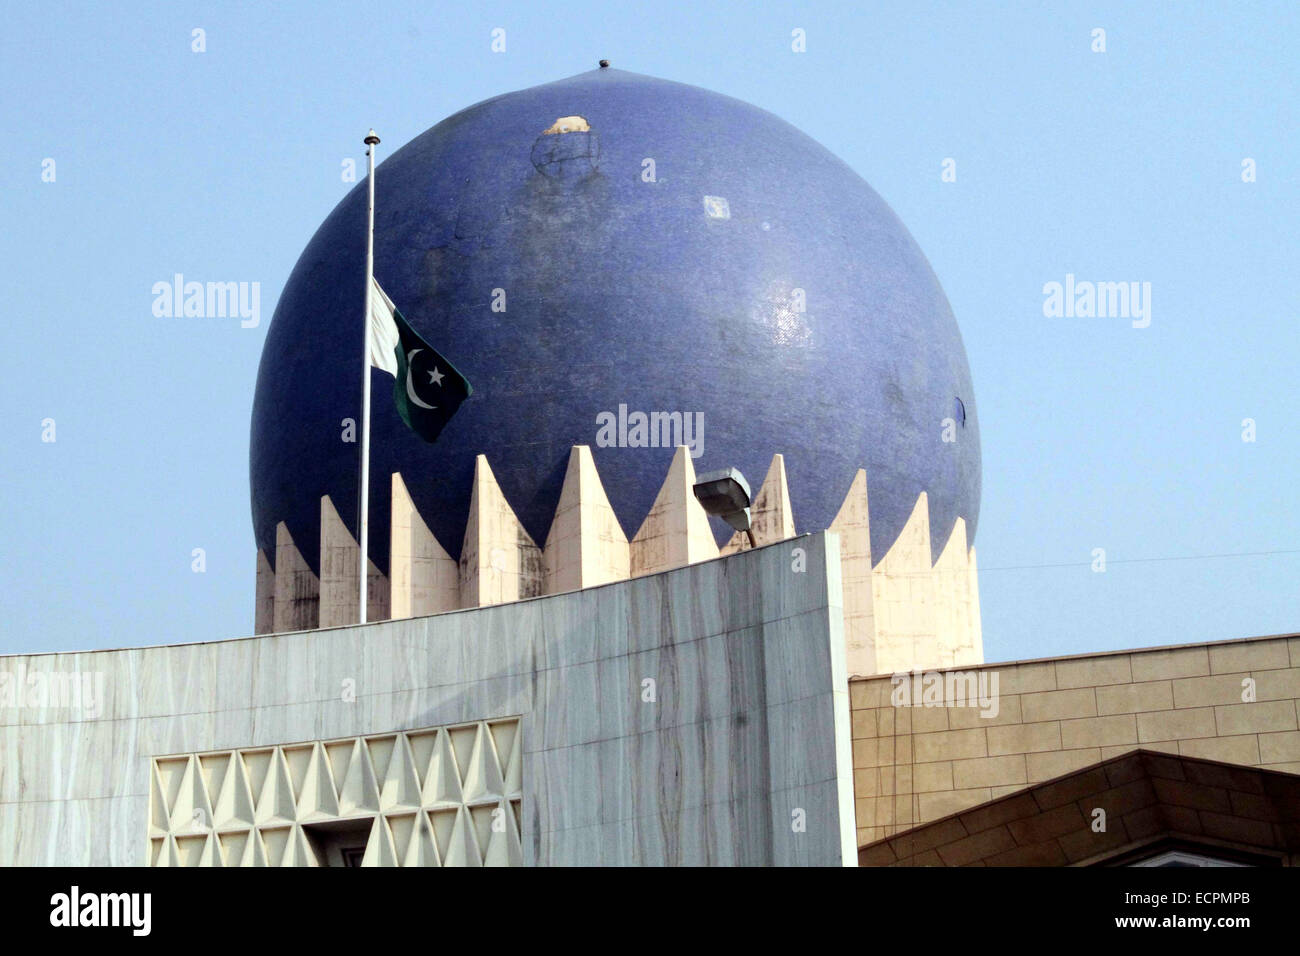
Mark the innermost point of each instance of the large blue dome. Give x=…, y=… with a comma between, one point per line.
x=677, y=294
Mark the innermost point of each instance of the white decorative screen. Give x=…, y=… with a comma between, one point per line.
x=443, y=796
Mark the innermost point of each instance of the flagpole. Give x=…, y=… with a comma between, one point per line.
x=363, y=560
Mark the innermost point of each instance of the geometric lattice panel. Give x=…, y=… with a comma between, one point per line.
x=443, y=796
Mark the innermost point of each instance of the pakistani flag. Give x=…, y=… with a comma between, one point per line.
x=428, y=389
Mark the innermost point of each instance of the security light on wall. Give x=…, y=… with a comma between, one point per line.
x=725, y=494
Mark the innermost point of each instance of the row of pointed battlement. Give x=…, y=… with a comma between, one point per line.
x=900, y=613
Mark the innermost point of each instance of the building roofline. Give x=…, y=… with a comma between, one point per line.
x=1071, y=657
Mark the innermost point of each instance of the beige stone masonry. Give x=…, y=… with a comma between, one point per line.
x=916, y=764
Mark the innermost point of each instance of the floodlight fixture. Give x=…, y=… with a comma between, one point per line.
x=725, y=494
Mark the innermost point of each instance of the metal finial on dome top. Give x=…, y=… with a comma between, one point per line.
x=604, y=64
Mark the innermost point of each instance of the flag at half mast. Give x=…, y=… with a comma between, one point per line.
x=428, y=389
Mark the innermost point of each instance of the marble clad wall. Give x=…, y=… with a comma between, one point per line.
x=738, y=753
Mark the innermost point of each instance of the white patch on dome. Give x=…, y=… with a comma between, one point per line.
x=568, y=124
x=716, y=207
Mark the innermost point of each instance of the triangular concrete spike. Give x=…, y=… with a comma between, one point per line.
x=338, y=569
x=285, y=807
x=401, y=787
x=290, y=856
x=275, y=800
x=276, y=841
x=160, y=815
x=854, y=513
x=380, y=749
x=976, y=626
x=168, y=854
x=214, y=768
x=212, y=852
x=421, y=849
x=853, y=525
x=183, y=800
x=254, y=851
x=482, y=776
x=296, y=760
x=499, y=560
x=358, y=793
x=586, y=544
x=422, y=753
x=484, y=819
x=676, y=530
x=916, y=535
x=189, y=850
x=170, y=774
x=504, y=733
x=339, y=754
x=442, y=779
x=903, y=595
x=190, y=806
x=441, y=825
x=513, y=777
x=771, y=515
x=233, y=846
x=955, y=553
x=264, y=608
x=462, y=847
x=379, y=848
x=378, y=593
x=299, y=851
x=402, y=826
x=952, y=604
x=424, y=577
x=235, y=802
x=202, y=813
x=297, y=589
x=503, y=847
x=257, y=764
x=462, y=746
x=316, y=794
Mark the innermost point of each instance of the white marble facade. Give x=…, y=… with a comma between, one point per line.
x=694, y=716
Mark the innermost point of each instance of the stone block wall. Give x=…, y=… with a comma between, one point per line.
x=916, y=764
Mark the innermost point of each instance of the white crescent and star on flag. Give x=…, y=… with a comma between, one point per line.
x=435, y=377
x=383, y=340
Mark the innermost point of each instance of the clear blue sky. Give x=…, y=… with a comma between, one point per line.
x=1117, y=166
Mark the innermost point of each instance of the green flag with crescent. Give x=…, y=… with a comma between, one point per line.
x=428, y=389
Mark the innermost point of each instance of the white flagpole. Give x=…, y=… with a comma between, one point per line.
x=363, y=559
